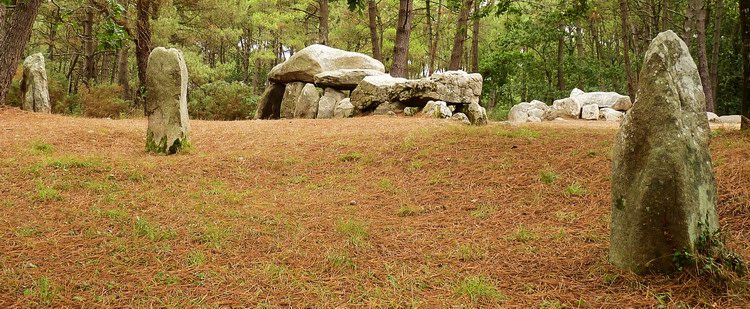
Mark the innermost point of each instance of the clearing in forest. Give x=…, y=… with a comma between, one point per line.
x=373, y=211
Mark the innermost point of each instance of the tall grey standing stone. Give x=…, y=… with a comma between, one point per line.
x=166, y=102
x=663, y=186
x=307, y=103
x=34, y=85
x=328, y=103
x=289, y=101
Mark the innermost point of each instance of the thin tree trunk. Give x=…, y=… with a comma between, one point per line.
x=745, y=26
x=475, y=39
x=403, y=33
x=323, y=22
x=460, y=37
x=624, y=12
x=715, y=50
x=561, y=61
x=691, y=14
x=430, y=33
x=14, y=34
x=703, y=56
x=435, y=43
x=143, y=47
x=122, y=71
x=89, y=65
x=372, y=12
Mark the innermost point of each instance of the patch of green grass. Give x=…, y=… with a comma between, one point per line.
x=469, y=252
x=101, y=186
x=386, y=185
x=116, y=213
x=351, y=156
x=46, y=194
x=355, y=231
x=575, y=189
x=70, y=162
x=551, y=303
x=299, y=179
x=165, y=278
x=214, y=235
x=566, y=216
x=478, y=288
x=42, y=148
x=42, y=289
x=406, y=211
x=483, y=211
x=340, y=261
x=519, y=133
x=28, y=232
x=415, y=164
x=275, y=271
x=151, y=231
x=196, y=258
x=548, y=177
x=522, y=234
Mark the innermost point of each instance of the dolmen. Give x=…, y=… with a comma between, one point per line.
x=609, y=106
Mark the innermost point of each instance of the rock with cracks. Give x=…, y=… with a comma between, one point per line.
x=166, y=102
x=663, y=187
x=34, y=85
x=316, y=59
x=328, y=102
x=345, y=79
x=306, y=106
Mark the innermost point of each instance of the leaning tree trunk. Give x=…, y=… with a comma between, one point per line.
x=142, y=47
x=323, y=22
x=460, y=38
x=624, y=12
x=15, y=32
x=403, y=32
x=372, y=12
x=703, y=57
x=745, y=26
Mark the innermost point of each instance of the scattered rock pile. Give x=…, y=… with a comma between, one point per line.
x=34, y=85
x=323, y=82
x=609, y=106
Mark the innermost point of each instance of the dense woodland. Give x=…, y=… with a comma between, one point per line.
x=96, y=50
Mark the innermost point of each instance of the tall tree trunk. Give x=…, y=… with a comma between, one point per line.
x=430, y=33
x=436, y=39
x=475, y=39
x=745, y=26
x=624, y=12
x=89, y=64
x=14, y=34
x=372, y=14
x=716, y=49
x=561, y=61
x=143, y=47
x=460, y=37
x=122, y=71
x=323, y=22
x=403, y=33
x=666, y=18
x=691, y=15
x=703, y=56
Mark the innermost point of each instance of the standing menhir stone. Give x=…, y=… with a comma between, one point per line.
x=34, y=85
x=166, y=102
x=663, y=187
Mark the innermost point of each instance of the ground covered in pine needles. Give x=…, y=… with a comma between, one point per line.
x=364, y=212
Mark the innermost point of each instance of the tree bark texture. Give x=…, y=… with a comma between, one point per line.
x=475, y=38
x=403, y=33
x=372, y=14
x=460, y=38
x=142, y=46
x=624, y=11
x=716, y=49
x=703, y=55
x=14, y=34
x=745, y=29
x=323, y=22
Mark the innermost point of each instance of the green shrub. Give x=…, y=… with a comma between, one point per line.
x=222, y=101
x=102, y=101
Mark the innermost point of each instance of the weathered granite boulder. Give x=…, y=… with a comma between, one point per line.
x=663, y=187
x=521, y=112
x=289, y=101
x=566, y=108
x=436, y=109
x=609, y=114
x=344, y=109
x=611, y=100
x=315, y=59
x=576, y=92
x=476, y=113
x=373, y=90
x=385, y=108
x=166, y=102
x=307, y=103
x=461, y=117
x=411, y=111
x=712, y=117
x=736, y=119
x=590, y=112
x=269, y=103
x=34, y=85
x=347, y=79
x=328, y=103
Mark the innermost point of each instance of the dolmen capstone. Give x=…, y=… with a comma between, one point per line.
x=323, y=82
x=663, y=186
x=166, y=102
x=34, y=85
x=609, y=106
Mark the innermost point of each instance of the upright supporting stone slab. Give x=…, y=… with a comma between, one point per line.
x=269, y=104
x=34, y=85
x=166, y=102
x=663, y=187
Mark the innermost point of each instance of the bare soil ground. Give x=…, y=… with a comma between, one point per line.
x=366, y=212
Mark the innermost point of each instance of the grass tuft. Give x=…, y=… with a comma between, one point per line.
x=355, y=231
x=478, y=288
